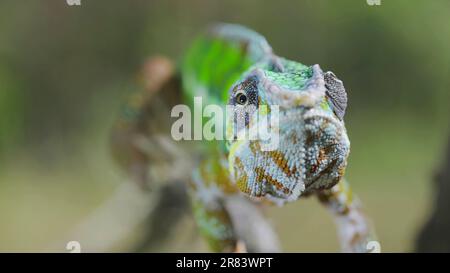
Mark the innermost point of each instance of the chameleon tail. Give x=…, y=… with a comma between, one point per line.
x=142, y=146
x=140, y=138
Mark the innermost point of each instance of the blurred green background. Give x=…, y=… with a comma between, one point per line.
x=64, y=71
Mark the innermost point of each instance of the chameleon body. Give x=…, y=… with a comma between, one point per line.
x=235, y=66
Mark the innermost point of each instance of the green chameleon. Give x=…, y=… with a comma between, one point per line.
x=233, y=65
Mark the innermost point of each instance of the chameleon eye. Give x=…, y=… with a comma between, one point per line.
x=241, y=98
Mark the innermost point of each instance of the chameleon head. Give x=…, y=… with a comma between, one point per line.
x=305, y=147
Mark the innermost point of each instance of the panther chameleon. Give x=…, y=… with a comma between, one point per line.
x=233, y=65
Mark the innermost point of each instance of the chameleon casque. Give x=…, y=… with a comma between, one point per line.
x=233, y=65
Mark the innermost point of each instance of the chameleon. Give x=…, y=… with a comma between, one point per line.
x=231, y=65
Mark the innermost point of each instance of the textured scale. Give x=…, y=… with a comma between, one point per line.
x=230, y=61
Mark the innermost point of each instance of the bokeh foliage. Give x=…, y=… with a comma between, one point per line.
x=65, y=70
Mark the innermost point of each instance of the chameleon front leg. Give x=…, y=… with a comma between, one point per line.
x=354, y=229
x=208, y=190
x=214, y=223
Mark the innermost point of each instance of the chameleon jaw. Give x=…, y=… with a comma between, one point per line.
x=312, y=152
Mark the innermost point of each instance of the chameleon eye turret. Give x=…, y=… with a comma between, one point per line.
x=241, y=98
x=336, y=94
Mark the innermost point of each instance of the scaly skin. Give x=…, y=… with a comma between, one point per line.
x=230, y=62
